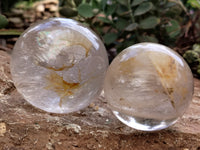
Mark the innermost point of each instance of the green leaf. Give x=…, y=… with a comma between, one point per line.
x=149, y=23
x=137, y=2
x=143, y=8
x=121, y=46
x=123, y=2
x=197, y=50
x=110, y=38
x=95, y=4
x=3, y=21
x=191, y=56
x=173, y=28
x=121, y=10
x=103, y=3
x=131, y=27
x=196, y=47
x=68, y=11
x=121, y=23
x=172, y=9
x=198, y=72
x=85, y=10
x=194, y=3
x=146, y=38
x=105, y=20
x=110, y=9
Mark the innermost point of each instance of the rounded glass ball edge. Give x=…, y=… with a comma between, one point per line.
x=58, y=65
x=148, y=86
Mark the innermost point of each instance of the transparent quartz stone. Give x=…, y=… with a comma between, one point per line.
x=58, y=65
x=148, y=86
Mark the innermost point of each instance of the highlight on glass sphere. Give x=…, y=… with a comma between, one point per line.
x=148, y=86
x=58, y=65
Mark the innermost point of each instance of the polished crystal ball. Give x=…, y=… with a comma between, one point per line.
x=148, y=86
x=58, y=65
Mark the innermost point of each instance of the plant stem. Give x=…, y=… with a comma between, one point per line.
x=130, y=11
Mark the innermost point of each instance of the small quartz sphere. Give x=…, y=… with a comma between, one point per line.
x=148, y=86
x=58, y=65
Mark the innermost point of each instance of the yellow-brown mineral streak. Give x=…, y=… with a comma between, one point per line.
x=166, y=69
x=57, y=84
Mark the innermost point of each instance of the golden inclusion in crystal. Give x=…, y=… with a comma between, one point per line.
x=58, y=65
x=148, y=86
x=60, y=86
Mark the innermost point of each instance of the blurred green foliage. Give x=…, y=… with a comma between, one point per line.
x=193, y=58
x=6, y=5
x=194, y=3
x=3, y=21
x=122, y=23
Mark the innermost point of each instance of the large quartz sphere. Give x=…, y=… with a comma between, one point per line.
x=148, y=86
x=58, y=65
